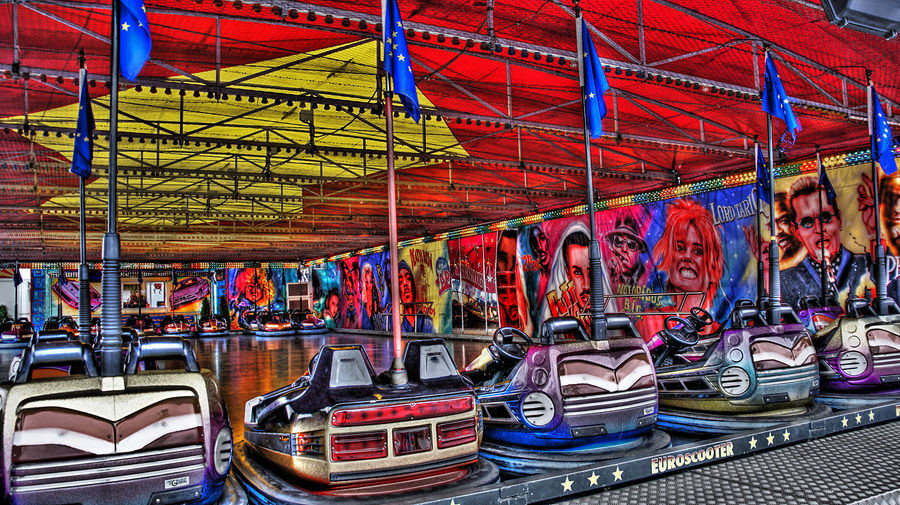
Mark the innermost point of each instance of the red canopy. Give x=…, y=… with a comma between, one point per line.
x=295, y=169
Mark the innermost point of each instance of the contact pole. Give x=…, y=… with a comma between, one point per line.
x=398, y=372
x=760, y=266
x=774, y=273
x=111, y=295
x=823, y=275
x=598, y=319
x=84, y=287
x=881, y=302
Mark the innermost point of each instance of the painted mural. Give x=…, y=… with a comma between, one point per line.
x=252, y=289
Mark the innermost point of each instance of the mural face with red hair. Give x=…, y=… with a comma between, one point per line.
x=690, y=249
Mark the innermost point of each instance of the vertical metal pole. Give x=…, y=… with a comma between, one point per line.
x=881, y=301
x=16, y=275
x=84, y=287
x=111, y=324
x=398, y=373
x=598, y=320
x=825, y=262
x=774, y=273
x=760, y=267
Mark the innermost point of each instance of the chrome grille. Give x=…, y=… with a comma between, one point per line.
x=787, y=375
x=604, y=403
x=30, y=477
x=889, y=360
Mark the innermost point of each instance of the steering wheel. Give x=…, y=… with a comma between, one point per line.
x=700, y=318
x=685, y=335
x=503, y=342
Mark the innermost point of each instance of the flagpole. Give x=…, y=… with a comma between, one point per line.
x=880, y=303
x=598, y=321
x=111, y=324
x=398, y=372
x=84, y=289
x=823, y=275
x=760, y=266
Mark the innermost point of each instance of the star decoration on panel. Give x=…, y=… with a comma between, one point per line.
x=844, y=421
x=567, y=484
x=753, y=442
x=770, y=439
x=593, y=479
x=858, y=418
x=871, y=415
x=786, y=435
x=617, y=475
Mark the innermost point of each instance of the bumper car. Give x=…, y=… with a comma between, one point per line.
x=212, y=327
x=859, y=356
x=248, y=320
x=749, y=374
x=816, y=314
x=140, y=437
x=341, y=431
x=141, y=326
x=17, y=334
x=64, y=324
x=306, y=323
x=273, y=324
x=176, y=326
x=567, y=402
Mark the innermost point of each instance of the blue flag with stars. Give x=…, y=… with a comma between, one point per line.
x=762, y=176
x=882, y=140
x=594, y=83
x=397, y=62
x=134, y=38
x=825, y=183
x=83, y=154
x=775, y=101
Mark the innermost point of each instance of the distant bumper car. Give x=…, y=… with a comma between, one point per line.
x=141, y=326
x=176, y=326
x=212, y=327
x=859, y=356
x=59, y=325
x=18, y=334
x=248, y=320
x=559, y=404
x=273, y=324
x=343, y=432
x=307, y=323
x=151, y=437
x=749, y=374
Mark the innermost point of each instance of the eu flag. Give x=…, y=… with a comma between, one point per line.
x=825, y=183
x=594, y=83
x=83, y=155
x=134, y=38
x=775, y=101
x=762, y=176
x=17, y=277
x=881, y=139
x=397, y=61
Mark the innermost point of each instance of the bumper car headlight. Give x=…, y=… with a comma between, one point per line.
x=734, y=381
x=538, y=409
x=222, y=455
x=853, y=363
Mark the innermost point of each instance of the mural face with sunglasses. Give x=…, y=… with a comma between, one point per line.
x=807, y=218
x=626, y=245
